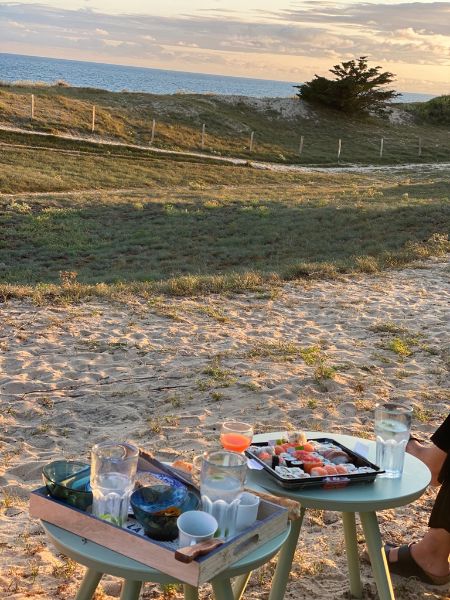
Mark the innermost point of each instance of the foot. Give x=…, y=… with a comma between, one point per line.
x=412, y=561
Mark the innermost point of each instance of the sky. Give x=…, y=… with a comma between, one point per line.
x=288, y=40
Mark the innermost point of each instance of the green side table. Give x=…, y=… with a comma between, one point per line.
x=100, y=560
x=364, y=499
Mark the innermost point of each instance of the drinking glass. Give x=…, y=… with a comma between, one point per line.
x=392, y=428
x=236, y=436
x=113, y=469
x=222, y=476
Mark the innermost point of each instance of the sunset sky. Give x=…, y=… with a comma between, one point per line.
x=268, y=39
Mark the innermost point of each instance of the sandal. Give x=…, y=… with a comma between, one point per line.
x=406, y=566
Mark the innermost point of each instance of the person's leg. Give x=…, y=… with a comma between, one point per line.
x=432, y=456
x=431, y=553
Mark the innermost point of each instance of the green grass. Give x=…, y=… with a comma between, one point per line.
x=80, y=220
x=189, y=228
x=127, y=117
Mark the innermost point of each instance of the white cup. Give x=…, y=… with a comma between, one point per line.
x=247, y=511
x=195, y=526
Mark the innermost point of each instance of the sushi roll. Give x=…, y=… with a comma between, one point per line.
x=297, y=437
x=318, y=472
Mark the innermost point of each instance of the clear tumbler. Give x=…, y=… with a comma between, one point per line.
x=392, y=428
x=221, y=485
x=113, y=469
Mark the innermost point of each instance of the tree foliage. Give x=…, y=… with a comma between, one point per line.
x=355, y=89
x=435, y=111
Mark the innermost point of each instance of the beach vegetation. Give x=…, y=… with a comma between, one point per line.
x=323, y=371
x=81, y=221
x=311, y=354
x=421, y=414
x=399, y=346
x=387, y=327
x=274, y=349
x=127, y=118
x=356, y=88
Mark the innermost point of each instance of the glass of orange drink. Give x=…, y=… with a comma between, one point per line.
x=236, y=436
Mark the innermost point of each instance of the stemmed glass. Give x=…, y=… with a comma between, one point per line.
x=236, y=436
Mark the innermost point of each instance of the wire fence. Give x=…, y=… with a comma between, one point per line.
x=298, y=144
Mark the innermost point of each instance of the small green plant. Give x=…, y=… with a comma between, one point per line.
x=8, y=500
x=399, y=346
x=312, y=403
x=215, y=313
x=218, y=375
x=324, y=371
x=285, y=351
x=424, y=415
x=46, y=402
x=154, y=425
x=310, y=355
x=387, y=327
x=216, y=396
x=175, y=401
x=66, y=569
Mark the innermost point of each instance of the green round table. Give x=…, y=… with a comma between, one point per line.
x=100, y=560
x=362, y=498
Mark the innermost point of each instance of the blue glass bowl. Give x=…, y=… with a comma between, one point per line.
x=158, y=507
x=68, y=480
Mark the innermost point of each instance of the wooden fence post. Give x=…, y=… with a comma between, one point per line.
x=203, y=136
x=300, y=148
x=153, y=132
x=32, y=106
x=381, y=147
x=251, y=141
x=93, y=119
x=339, y=149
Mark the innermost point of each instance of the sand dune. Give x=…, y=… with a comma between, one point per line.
x=164, y=374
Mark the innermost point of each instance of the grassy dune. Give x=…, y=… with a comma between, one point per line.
x=127, y=117
x=79, y=218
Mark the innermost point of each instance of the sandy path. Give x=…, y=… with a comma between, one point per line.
x=164, y=374
x=264, y=165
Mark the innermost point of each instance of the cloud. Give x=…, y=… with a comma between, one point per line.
x=313, y=33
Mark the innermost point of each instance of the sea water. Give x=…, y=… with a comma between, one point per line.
x=111, y=497
x=220, y=498
x=392, y=437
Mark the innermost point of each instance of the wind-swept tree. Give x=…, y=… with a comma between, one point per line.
x=355, y=89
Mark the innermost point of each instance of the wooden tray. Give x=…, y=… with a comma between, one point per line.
x=271, y=521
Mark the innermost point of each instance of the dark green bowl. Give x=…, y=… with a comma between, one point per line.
x=68, y=480
x=161, y=527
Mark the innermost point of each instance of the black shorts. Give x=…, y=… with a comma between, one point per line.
x=440, y=515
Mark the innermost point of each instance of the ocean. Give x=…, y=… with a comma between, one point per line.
x=116, y=78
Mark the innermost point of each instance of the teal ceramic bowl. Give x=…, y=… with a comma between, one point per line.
x=157, y=510
x=68, y=481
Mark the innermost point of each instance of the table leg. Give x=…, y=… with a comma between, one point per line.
x=89, y=584
x=239, y=585
x=190, y=592
x=351, y=548
x=377, y=556
x=222, y=589
x=285, y=559
x=131, y=590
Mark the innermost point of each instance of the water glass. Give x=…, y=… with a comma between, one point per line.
x=113, y=469
x=222, y=477
x=392, y=429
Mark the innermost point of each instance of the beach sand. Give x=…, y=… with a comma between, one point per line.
x=316, y=356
